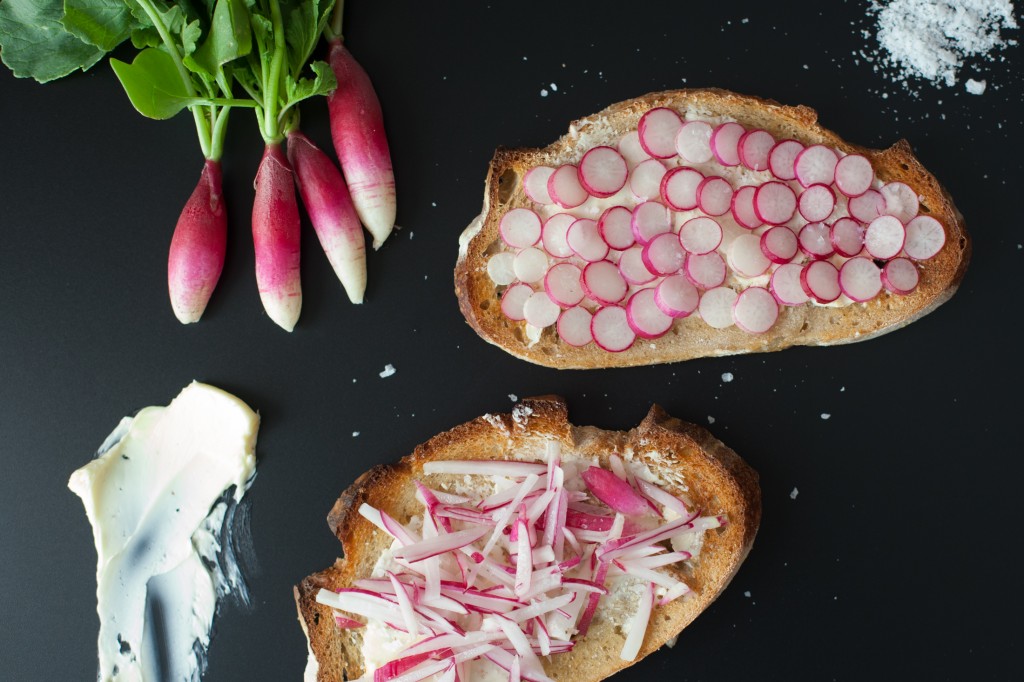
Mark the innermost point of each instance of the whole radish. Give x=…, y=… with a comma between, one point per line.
x=275, y=236
x=198, y=246
x=331, y=211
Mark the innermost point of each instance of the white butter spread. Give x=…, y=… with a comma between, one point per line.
x=160, y=497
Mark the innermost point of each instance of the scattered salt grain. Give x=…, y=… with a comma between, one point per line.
x=744, y=20
x=793, y=494
x=975, y=87
x=747, y=594
x=554, y=88
x=513, y=397
x=825, y=415
x=543, y=92
x=355, y=434
x=389, y=369
x=727, y=377
x=711, y=420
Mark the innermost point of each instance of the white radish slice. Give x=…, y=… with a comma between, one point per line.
x=847, y=237
x=585, y=240
x=716, y=307
x=633, y=268
x=867, y=206
x=676, y=296
x=693, y=141
x=540, y=311
x=743, y=208
x=658, y=129
x=820, y=280
x=854, y=175
x=535, y=184
x=885, y=237
x=554, y=233
x=649, y=220
x=564, y=187
x=706, y=271
x=755, y=310
x=774, y=203
x=513, y=300
x=603, y=171
x=663, y=255
x=563, y=284
x=785, y=285
x=603, y=282
x=816, y=240
x=500, y=269
x=900, y=276
x=816, y=165
x=616, y=227
x=700, y=235
x=925, y=238
x=574, y=326
x=900, y=201
x=610, y=329
x=816, y=203
x=632, y=152
x=530, y=265
x=679, y=188
x=746, y=257
x=520, y=228
x=754, y=148
x=860, y=279
x=782, y=159
x=779, y=244
x=645, y=317
x=645, y=179
x=714, y=195
x=725, y=141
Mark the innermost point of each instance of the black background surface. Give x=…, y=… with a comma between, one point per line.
x=898, y=558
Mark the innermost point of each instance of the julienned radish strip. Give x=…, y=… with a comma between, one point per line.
x=275, y=236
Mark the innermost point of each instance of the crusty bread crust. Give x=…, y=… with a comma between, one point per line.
x=712, y=476
x=807, y=325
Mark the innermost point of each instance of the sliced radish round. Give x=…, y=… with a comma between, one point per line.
x=860, y=279
x=885, y=237
x=782, y=159
x=500, y=268
x=563, y=284
x=574, y=326
x=716, y=307
x=854, y=175
x=900, y=201
x=633, y=268
x=585, y=240
x=676, y=296
x=755, y=310
x=700, y=235
x=632, y=152
x=679, y=188
x=754, y=148
x=564, y=187
x=530, y=265
x=867, y=206
x=725, y=142
x=746, y=257
x=743, y=207
x=645, y=317
x=714, y=195
x=663, y=255
x=816, y=240
x=649, y=220
x=925, y=238
x=610, y=329
x=706, y=271
x=774, y=203
x=693, y=141
x=779, y=244
x=616, y=227
x=645, y=179
x=535, y=184
x=816, y=165
x=900, y=276
x=540, y=311
x=520, y=228
x=847, y=237
x=817, y=203
x=603, y=282
x=554, y=234
x=820, y=280
x=658, y=129
x=603, y=171
x=513, y=300
x=785, y=285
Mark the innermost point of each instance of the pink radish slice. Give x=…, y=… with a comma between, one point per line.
x=676, y=296
x=847, y=237
x=820, y=280
x=633, y=268
x=554, y=233
x=574, y=327
x=714, y=195
x=816, y=240
x=520, y=228
x=649, y=220
x=746, y=257
x=610, y=329
x=563, y=284
x=779, y=244
x=614, y=492
x=535, y=184
x=774, y=203
x=663, y=255
x=743, y=208
x=585, y=240
x=530, y=265
x=925, y=238
x=782, y=159
x=540, y=311
x=646, y=318
x=900, y=276
x=700, y=235
x=693, y=141
x=603, y=282
x=706, y=271
x=860, y=279
x=513, y=300
x=724, y=143
x=679, y=188
x=817, y=203
x=755, y=310
x=754, y=148
x=786, y=287
x=564, y=187
x=616, y=227
x=816, y=165
x=500, y=268
x=867, y=206
x=716, y=307
x=885, y=237
x=658, y=129
x=603, y=171
x=854, y=175
x=900, y=201
x=645, y=179
x=632, y=152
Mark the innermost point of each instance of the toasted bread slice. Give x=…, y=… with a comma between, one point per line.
x=809, y=324
x=713, y=477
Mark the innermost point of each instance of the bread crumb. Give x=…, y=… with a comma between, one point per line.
x=389, y=369
x=355, y=434
x=513, y=397
x=825, y=415
x=727, y=377
x=794, y=493
x=975, y=87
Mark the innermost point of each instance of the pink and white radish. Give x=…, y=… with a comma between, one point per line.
x=658, y=129
x=603, y=171
x=554, y=234
x=564, y=187
x=616, y=227
x=743, y=207
x=700, y=235
x=585, y=240
x=649, y=220
x=885, y=237
x=854, y=175
x=816, y=240
x=529, y=265
x=275, y=236
x=900, y=276
x=816, y=203
x=663, y=255
x=645, y=179
x=679, y=188
x=779, y=244
x=755, y=310
x=634, y=270
x=610, y=329
x=820, y=280
x=714, y=195
x=847, y=237
x=860, y=279
x=925, y=238
x=501, y=268
x=716, y=307
x=754, y=147
x=705, y=271
x=725, y=142
x=774, y=203
x=786, y=287
x=816, y=165
x=746, y=256
x=782, y=159
x=562, y=283
x=900, y=201
x=535, y=184
x=632, y=152
x=603, y=282
x=867, y=206
x=693, y=141
x=513, y=300
x=645, y=317
x=676, y=296
x=520, y=228
x=574, y=326
x=540, y=311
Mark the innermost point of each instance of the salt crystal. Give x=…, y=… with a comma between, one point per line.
x=355, y=434
x=389, y=369
x=747, y=594
x=975, y=87
x=711, y=420
x=793, y=494
x=727, y=377
x=554, y=88
x=513, y=397
x=825, y=415
x=543, y=92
